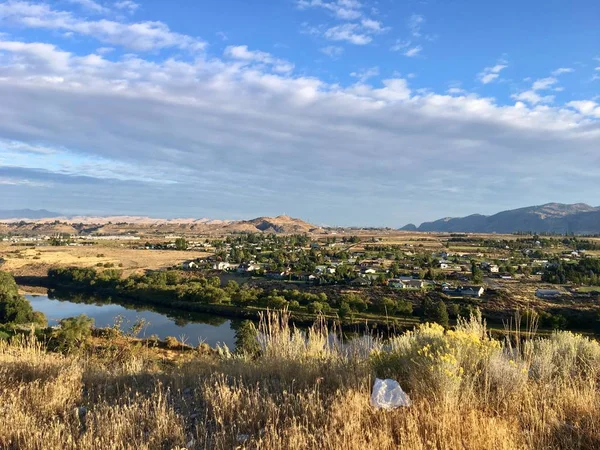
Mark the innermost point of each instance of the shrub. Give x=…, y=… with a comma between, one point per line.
x=172, y=342
x=73, y=331
x=430, y=359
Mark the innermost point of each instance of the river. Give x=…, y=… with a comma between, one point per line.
x=193, y=328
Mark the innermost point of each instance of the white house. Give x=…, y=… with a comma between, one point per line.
x=223, y=266
x=188, y=265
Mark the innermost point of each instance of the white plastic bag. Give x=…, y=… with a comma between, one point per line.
x=387, y=394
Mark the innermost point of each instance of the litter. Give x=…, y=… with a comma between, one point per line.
x=387, y=394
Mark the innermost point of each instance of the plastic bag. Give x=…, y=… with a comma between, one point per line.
x=387, y=394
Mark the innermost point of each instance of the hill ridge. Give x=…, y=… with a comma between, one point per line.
x=577, y=218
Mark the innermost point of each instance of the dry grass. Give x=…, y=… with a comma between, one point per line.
x=29, y=261
x=310, y=392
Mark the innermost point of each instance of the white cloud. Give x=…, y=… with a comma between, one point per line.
x=586, y=107
x=127, y=5
x=409, y=47
x=105, y=50
x=365, y=74
x=241, y=52
x=350, y=32
x=415, y=23
x=544, y=84
x=562, y=70
x=44, y=56
x=342, y=9
x=232, y=132
x=141, y=36
x=91, y=5
x=456, y=91
x=491, y=73
x=357, y=28
x=413, y=51
x=372, y=25
x=533, y=97
x=332, y=51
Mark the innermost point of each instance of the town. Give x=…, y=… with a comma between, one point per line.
x=347, y=273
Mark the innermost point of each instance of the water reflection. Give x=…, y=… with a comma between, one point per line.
x=195, y=327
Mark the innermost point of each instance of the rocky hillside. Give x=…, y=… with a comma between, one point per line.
x=577, y=218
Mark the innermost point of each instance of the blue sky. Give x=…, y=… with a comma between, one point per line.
x=342, y=112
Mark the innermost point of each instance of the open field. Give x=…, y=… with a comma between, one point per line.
x=35, y=261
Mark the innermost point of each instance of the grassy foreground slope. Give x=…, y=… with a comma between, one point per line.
x=468, y=391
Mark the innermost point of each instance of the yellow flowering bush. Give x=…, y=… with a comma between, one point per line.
x=434, y=360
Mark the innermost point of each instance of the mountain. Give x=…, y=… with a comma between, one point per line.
x=27, y=214
x=409, y=227
x=118, y=225
x=577, y=218
x=279, y=224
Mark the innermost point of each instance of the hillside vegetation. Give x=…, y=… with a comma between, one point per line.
x=293, y=390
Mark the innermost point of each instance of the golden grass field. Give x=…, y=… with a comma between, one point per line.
x=467, y=392
x=21, y=260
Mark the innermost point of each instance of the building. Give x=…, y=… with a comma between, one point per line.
x=189, y=265
x=396, y=283
x=360, y=282
x=248, y=267
x=464, y=291
x=547, y=293
x=415, y=284
x=224, y=266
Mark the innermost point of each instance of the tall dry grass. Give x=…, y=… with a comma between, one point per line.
x=310, y=391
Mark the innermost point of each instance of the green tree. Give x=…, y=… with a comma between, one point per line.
x=181, y=244
x=441, y=314
x=14, y=308
x=476, y=273
x=246, y=339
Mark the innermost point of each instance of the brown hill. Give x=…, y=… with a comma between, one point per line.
x=120, y=225
x=279, y=224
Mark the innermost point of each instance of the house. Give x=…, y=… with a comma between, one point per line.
x=464, y=291
x=278, y=275
x=368, y=271
x=360, y=282
x=491, y=268
x=547, y=293
x=248, y=267
x=396, y=283
x=415, y=284
x=224, y=266
x=189, y=265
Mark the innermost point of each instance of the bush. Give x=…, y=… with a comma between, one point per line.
x=432, y=360
x=172, y=342
x=73, y=332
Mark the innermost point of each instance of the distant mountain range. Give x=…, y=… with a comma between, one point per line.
x=32, y=214
x=578, y=218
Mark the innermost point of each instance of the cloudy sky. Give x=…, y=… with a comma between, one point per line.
x=341, y=112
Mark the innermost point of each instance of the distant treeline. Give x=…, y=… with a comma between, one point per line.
x=172, y=288
x=586, y=271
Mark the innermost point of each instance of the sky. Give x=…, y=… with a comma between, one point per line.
x=340, y=112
